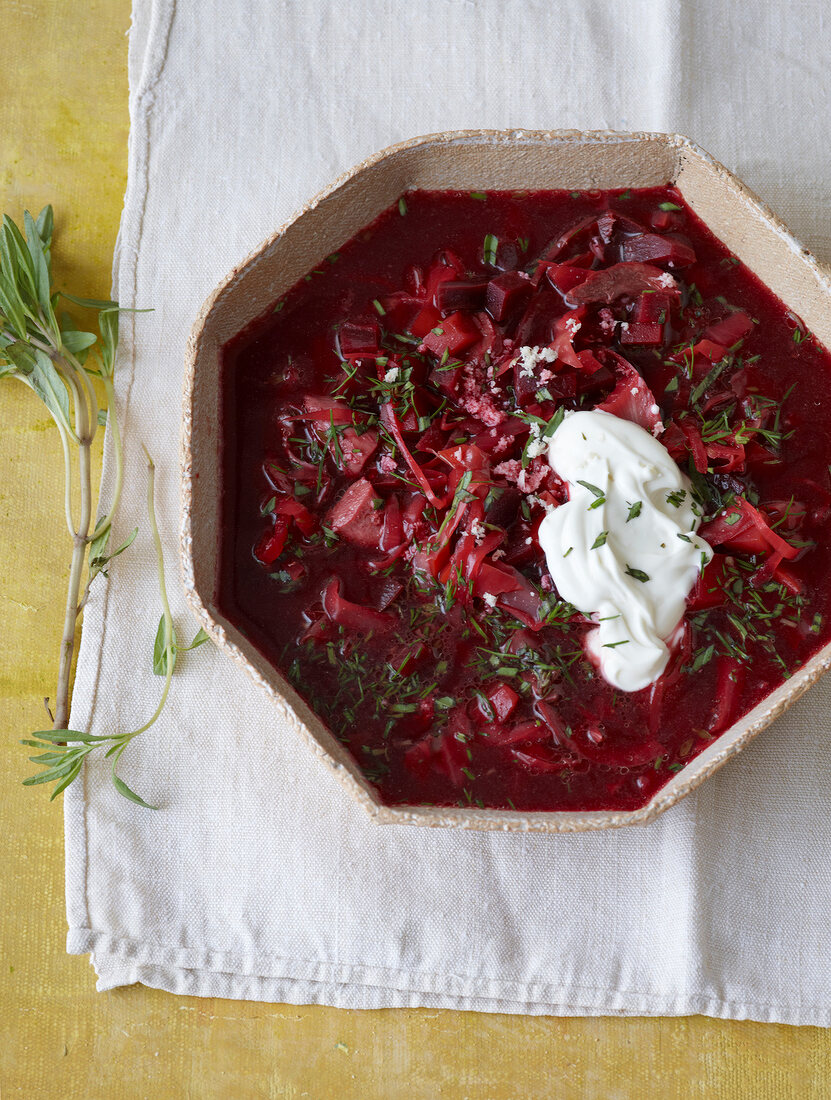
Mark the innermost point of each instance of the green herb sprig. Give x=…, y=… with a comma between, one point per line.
x=48, y=353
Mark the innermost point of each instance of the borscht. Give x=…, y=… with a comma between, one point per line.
x=484, y=611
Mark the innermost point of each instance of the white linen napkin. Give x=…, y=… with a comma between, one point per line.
x=259, y=877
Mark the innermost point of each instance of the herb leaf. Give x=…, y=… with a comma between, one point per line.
x=638, y=574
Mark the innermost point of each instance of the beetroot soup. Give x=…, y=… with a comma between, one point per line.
x=388, y=469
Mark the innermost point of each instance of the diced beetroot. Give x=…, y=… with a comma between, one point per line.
x=507, y=294
x=354, y=616
x=709, y=588
x=564, y=277
x=455, y=294
x=638, y=332
x=452, y=334
x=664, y=219
x=670, y=248
x=495, y=440
x=305, y=520
x=534, y=328
x=631, y=399
x=325, y=410
x=503, y=699
x=448, y=378
x=426, y=319
x=399, y=310
x=653, y=307
x=589, y=364
x=610, y=283
x=730, y=329
x=493, y=580
x=449, y=756
x=355, y=450
x=270, y=546
x=710, y=350
x=445, y=266
x=356, y=516
x=357, y=340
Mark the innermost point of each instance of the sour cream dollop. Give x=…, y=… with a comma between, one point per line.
x=623, y=549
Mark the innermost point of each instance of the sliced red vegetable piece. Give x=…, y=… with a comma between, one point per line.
x=642, y=332
x=521, y=601
x=670, y=248
x=306, y=521
x=709, y=588
x=665, y=219
x=390, y=420
x=631, y=399
x=655, y=306
x=507, y=294
x=730, y=330
x=710, y=350
x=517, y=734
x=695, y=443
x=540, y=758
x=389, y=591
x=559, y=730
x=392, y=532
x=270, y=546
x=452, y=334
x=748, y=532
x=322, y=409
x=493, y=580
x=444, y=267
x=562, y=341
x=610, y=283
x=356, y=516
x=424, y=321
x=359, y=340
x=565, y=277
x=729, y=456
x=351, y=451
x=354, y=616
x=503, y=700
x=466, y=294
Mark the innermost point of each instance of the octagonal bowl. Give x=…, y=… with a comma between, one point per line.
x=466, y=160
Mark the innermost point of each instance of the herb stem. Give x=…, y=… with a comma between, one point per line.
x=79, y=550
x=168, y=618
x=118, y=451
x=157, y=543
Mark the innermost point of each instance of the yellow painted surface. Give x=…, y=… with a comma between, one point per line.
x=63, y=133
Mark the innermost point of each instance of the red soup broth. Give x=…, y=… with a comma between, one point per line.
x=381, y=500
